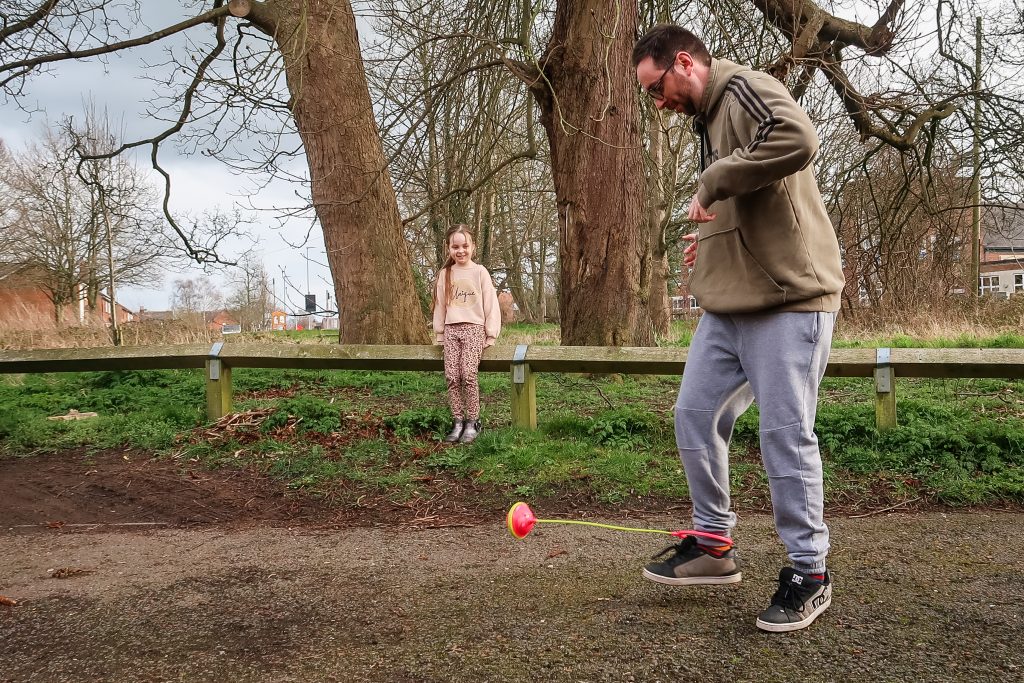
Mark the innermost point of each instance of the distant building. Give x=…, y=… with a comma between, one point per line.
x=218, y=321
x=278, y=320
x=1002, y=252
x=27, y=304
x=145, y=315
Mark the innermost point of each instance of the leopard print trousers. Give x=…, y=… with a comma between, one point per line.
x=463, y=346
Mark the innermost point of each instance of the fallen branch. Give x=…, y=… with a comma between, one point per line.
x=891, y=507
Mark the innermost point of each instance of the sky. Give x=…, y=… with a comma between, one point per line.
x=198, y=183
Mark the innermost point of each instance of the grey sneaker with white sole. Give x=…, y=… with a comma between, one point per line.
x=691, y=565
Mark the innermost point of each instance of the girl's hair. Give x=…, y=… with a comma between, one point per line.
x=448, y=263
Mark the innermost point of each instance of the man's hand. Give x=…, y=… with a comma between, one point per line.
x=690, y=253
x=698, y=214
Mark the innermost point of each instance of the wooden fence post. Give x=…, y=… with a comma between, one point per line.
x=885, y=391
x=524, y=391
x=218, y=385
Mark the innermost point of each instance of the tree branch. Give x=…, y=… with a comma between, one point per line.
x=211, y=15
x=28, y=22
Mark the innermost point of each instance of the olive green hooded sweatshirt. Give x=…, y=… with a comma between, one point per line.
x=771, y=246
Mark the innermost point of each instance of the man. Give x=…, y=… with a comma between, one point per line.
x=769, y=278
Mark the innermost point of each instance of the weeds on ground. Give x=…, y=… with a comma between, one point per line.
x=610, y=437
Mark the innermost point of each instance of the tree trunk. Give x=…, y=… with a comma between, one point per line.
x=589, y=111
x=351, y=187
x=660, y=189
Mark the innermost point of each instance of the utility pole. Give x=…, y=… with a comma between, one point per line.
x=307, y=269
x=976, y=178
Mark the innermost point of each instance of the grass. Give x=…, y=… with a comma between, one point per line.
x=960, y=442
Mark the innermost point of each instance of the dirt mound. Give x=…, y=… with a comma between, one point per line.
x=78, y=490
x=127, y=488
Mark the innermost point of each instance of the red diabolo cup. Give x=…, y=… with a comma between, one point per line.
x=520, y=520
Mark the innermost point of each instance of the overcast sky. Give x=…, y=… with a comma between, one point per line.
x=198, y=182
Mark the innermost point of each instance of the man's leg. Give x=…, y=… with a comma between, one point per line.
x=785, y=355
x=712, y=395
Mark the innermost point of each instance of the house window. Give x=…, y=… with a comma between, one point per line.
x=988, y=284
x=677, y=304
x=693, y=303
x=1018, y=282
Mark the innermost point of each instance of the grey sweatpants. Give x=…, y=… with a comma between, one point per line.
x=777, y=359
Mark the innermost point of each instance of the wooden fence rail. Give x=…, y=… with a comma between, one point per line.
x=522, y=362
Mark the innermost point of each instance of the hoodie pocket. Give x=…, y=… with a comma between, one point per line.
x=728, y=279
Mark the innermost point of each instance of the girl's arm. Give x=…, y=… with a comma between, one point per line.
x=492, y=311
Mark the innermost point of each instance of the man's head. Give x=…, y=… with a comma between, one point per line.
x=672, y=66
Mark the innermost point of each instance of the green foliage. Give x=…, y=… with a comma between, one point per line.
x=139, y=409
x=313, y=414
x=955, y=455
x=623, y=426
x=308, y=468
x=420, y=421
x=959, y=441
x=262, y=379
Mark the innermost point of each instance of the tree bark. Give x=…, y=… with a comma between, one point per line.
x=351, y=188
x=589, y=111
x=660, y=188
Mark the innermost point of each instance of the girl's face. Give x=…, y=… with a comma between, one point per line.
x=460, y=248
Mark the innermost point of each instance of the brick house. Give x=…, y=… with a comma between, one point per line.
x=1002, y=252
x=217, y=321
x=24, y=303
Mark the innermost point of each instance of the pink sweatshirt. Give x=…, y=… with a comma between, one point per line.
x=474, y=300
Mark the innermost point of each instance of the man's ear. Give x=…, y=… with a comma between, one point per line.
x=685, y=60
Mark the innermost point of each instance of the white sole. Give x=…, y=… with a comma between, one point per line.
x=796, y=625
x=693, y=580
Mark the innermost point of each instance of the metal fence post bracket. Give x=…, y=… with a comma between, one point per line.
x=518, y=362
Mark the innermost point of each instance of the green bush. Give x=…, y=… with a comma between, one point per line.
x=420, y=421
x=314, y=414
x=615, y=427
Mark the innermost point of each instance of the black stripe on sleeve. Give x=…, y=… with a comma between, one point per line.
x=755, y=107
x=751, y=101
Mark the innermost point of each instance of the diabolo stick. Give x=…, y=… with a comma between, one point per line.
x=521, y=520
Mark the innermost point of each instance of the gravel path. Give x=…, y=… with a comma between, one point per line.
x=923, y=597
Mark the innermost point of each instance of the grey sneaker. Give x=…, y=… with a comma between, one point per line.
x=471, y=431
x=456, y=432
x=691, y=565
x=797, y=603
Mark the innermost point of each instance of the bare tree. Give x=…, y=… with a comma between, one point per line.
x=194, y=298
x=81, y=226
x=249, y=298
x=323, y=97
x=50, y=225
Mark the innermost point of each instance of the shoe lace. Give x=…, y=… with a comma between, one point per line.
x=788, y=596
x=681, y=548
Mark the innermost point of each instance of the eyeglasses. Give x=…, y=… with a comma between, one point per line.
x=657, y=89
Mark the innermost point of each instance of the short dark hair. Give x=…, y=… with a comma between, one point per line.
x=664, y=41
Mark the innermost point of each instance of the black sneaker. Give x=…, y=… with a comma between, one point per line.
x=797, y=603
x=691, y=565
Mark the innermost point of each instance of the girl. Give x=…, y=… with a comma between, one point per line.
x=466, y=320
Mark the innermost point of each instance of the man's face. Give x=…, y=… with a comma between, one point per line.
x=670, y=88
